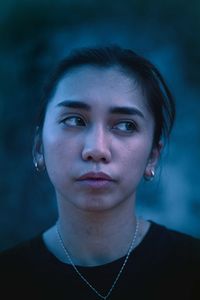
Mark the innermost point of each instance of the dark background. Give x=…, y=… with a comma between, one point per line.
x=34, y=35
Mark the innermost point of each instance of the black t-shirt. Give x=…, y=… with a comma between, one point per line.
x=165, y=265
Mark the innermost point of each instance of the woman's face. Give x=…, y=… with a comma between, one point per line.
x=97, y=138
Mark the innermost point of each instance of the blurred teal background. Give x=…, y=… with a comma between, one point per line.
x=34, y=36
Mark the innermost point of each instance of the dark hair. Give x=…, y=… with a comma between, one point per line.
x=158, y=95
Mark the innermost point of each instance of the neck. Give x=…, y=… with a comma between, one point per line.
x=101, y=236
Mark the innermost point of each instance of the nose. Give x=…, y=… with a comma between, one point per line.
x=97, y=146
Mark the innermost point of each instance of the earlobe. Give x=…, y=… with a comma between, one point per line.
x=37, y=151
x=149, y=173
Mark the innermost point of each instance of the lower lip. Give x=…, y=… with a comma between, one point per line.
x=96, y=183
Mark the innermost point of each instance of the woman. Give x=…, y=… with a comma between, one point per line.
x=106, y=115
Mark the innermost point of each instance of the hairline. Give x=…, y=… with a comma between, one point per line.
x=116, y=66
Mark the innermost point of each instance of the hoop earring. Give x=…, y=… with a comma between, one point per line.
x=36, y=166
x=150, y=177
x=152, y=174
x=39, y=165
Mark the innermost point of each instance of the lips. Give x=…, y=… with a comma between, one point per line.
x=95, y=176
x=96, y=180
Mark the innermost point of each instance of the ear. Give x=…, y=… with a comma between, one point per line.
x=37, y=151
x=152, y=161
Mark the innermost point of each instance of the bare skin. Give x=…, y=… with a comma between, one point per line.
x=86, y=130
x=98, y=246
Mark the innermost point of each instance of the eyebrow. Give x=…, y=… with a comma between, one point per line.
x=122, y=110
x=119, y=110
x=74, y=104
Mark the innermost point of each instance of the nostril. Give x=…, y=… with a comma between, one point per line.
x=89, y=158
x=96, y=155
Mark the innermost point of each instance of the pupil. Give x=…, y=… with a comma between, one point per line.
x=129, y=126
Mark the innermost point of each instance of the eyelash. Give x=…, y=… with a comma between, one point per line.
x=71, y=118
x=81, y=120
x=132, y=124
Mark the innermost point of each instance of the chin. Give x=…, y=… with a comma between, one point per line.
x=96, y=205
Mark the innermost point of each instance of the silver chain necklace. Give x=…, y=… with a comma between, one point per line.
x=120, y=271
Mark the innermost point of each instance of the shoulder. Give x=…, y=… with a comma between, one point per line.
x=174, y=236
x=180, y=245
x=21, y=268
x=22, y=255
x=169, y=258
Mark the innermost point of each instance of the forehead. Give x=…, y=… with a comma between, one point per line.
x=101, y=86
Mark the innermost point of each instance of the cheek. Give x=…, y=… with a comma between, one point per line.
x=52, y=145
x=59, y=160
x=135, y=157
x=59, y=152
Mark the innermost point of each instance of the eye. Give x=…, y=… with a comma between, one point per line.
x=74, y=121
x=125, y=126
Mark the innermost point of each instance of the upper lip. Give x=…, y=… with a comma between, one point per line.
x=95, y=175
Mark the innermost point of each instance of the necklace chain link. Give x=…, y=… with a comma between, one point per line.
x=120, y=271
